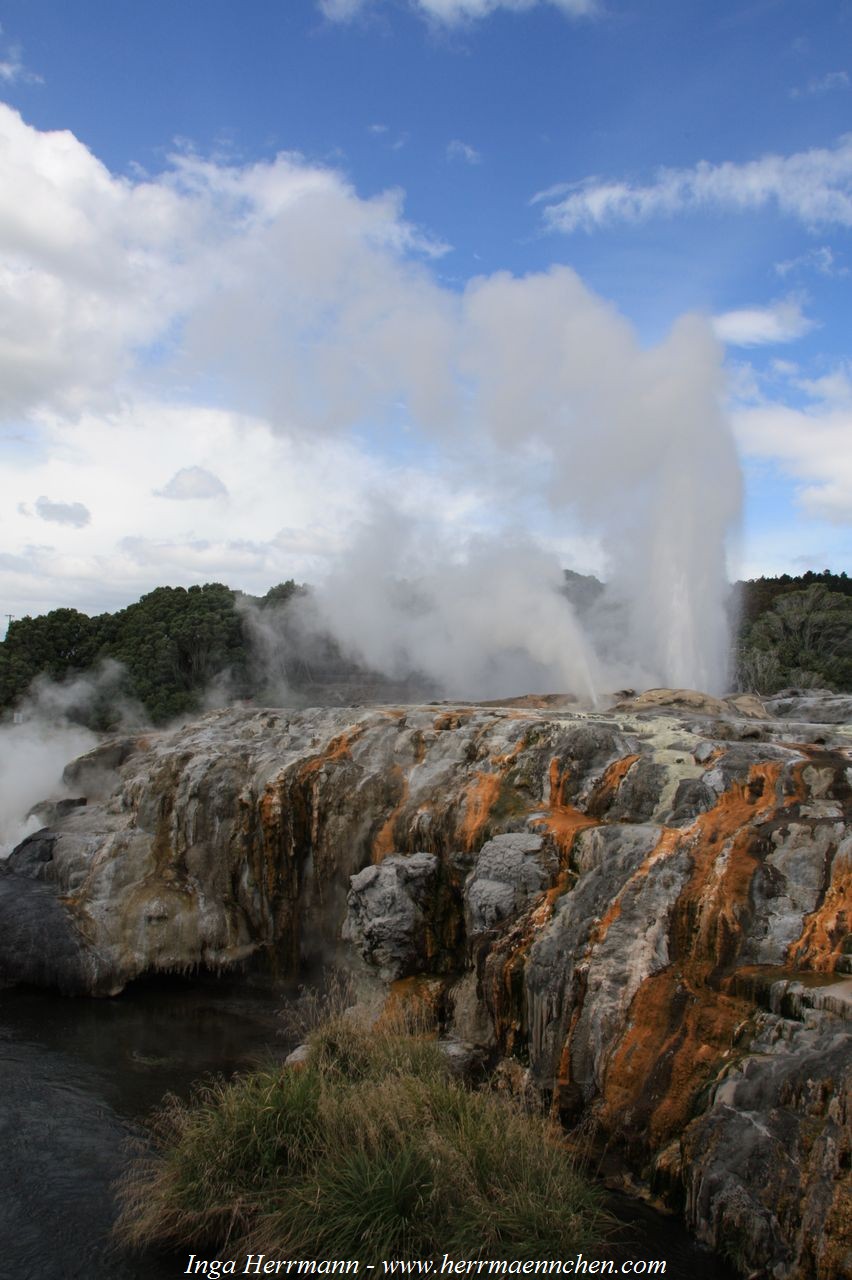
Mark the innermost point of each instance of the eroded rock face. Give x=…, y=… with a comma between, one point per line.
x=652, y=907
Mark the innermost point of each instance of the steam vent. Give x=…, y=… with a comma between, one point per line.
x=647, y=913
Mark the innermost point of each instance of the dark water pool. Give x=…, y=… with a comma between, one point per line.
x=76, y=1077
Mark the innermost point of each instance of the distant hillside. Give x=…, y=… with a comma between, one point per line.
x=583, y=590
x=177, y=650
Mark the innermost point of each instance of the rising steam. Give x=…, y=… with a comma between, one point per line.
x=631, y=443
x=539, y=390
x=43, y=734
x=275, y=288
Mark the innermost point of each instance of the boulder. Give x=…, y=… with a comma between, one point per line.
x=388, y=918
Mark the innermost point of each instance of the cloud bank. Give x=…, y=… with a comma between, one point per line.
x=192, y=482
x=73, y=513
x=783, y=321
x=813, y=444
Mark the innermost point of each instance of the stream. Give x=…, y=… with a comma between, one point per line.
x=78, y=1075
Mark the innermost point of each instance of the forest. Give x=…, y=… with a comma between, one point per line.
x=163, y=655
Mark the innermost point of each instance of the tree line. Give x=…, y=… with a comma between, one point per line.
x=171, y=645
x=165, y=651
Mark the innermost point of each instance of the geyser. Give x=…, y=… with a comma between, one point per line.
x=529, y=398
x=573, y=420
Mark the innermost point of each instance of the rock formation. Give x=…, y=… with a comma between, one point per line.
x=649, y=908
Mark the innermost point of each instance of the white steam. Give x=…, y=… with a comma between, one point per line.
x=481, y=625
x=33, y=754
x=540, y=390
x=638, y=446
x=632, y=442
x=42, y=736
x=274, y=287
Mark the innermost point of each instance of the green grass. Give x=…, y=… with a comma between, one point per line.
x=371, y=1150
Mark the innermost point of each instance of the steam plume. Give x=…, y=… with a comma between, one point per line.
x=43, y=735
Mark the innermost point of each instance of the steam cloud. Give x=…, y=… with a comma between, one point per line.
x=42, y=736
x=323, y=312
x=539, y=389
x=633, y=442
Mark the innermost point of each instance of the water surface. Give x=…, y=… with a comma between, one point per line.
x=78, y=1075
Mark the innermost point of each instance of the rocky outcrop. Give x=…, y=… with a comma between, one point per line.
x=812, y=706
x=650, y=908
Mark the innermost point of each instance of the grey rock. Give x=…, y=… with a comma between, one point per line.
x=387, y=916
x=95, y=773
x=39, y=943
x=32, y=857
x=737, y=761
x=654, y=993
x=639, y=794
x=812, y=706
x=692, y=797
x=772, y=1126
x=510, y=869
x=298, y=1057
x=585, y=750
x=464, y=1059
x=635, y=946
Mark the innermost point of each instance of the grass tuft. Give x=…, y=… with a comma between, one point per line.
x=371, y=1150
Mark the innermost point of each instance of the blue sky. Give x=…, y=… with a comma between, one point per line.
x=194, y=393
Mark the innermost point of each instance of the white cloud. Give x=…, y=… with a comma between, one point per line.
x=291, y=505
x=73, y=513
x=783, y=321
x=95, y=268
x=395, y=141
x=192, y=482
x=812, y=444
x=341, y=10
x=814, y=187
x=452, y=12
x=823, y=260
x=12, y=69
x=831, y=82
x=458, y=150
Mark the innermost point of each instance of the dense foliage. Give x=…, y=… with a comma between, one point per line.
x=803, y=640
x=172, y=645
x=757, y=595
x=370, y=1150
x=178, y=648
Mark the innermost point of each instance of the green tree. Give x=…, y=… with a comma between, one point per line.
x=805, y=639
x=171, y=644
x=57, y=644
x=174, y=642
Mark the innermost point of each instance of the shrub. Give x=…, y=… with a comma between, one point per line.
x=372, y=1150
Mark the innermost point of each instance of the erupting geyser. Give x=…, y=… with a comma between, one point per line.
x=576, y=421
